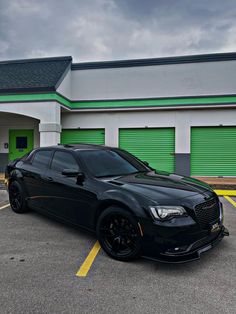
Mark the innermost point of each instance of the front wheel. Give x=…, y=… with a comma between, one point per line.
x=118, y=234
x=17, y=198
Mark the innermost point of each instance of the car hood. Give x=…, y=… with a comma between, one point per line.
x=163, y=186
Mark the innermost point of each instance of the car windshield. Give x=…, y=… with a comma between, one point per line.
x=107, y=163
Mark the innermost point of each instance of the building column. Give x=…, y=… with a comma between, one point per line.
x=49, y=134
x=112, y=136
x=182, y=148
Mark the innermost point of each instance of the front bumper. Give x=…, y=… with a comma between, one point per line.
x=191, y=252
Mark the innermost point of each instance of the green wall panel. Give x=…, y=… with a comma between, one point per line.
x=157, y=146
x=89, y=136
x=213, y=151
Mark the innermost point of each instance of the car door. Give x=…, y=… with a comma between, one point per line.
x=33, y=174
x=65, y=197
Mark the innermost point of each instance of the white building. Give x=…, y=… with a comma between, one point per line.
x=177, y=113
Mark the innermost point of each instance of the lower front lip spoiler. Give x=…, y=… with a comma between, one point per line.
x=190, y=256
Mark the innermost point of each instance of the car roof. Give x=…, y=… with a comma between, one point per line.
x=78, y=147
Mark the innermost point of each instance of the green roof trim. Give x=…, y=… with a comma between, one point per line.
x=109, y=104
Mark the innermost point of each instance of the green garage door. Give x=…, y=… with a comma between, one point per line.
x=213, y=151
x=88, y=136
x=157, y=146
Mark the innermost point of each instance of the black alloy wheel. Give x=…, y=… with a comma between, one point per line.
x=17, y=198
x=118, y=233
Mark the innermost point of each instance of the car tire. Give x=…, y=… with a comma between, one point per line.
x=17, y=198
x=118, y=234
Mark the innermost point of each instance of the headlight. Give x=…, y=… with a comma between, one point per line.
x=162, y=212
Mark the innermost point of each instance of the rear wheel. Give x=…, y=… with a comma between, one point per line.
x=119, y=234
x=17, y=198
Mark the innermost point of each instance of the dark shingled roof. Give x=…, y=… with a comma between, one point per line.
x=33, y=75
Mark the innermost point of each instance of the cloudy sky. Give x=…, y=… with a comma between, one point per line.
x=92, y=30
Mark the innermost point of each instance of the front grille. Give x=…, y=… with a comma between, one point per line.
x=207, y=212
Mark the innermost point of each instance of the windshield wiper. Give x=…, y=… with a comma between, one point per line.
x=109, y=176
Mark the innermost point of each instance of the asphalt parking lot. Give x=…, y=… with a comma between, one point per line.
x=40, y=258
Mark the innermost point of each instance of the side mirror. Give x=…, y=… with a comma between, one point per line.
x=80, y=177
x=70, y=172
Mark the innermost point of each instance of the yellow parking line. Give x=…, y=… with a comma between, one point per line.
x=4, y=206
x=84, y=269
x=229, y=199
x=226, y=192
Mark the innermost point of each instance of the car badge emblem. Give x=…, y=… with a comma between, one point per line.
x=206, y=197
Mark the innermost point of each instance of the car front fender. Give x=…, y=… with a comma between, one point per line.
x=129, y=201
x=15, y=175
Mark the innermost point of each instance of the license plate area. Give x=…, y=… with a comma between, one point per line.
x=215, y=227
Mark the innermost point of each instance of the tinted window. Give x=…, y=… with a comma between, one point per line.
x=102, y=163
x=41, y=158
x=63, y=160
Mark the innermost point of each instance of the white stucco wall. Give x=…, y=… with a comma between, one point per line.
x=181, y=120
x=65, y=86
x=48, y=115
x=45, y=112
x=192, y=79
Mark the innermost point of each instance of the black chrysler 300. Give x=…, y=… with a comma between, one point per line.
x=134, y=209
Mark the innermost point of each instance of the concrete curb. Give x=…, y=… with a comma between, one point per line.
x=225, y=192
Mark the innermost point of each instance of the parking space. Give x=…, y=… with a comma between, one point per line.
x=40, y=258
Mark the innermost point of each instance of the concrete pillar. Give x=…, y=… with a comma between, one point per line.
x=112, y=136
x=182, y=148
x=49, y=134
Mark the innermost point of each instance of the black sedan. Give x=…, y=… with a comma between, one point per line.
x=134, y=209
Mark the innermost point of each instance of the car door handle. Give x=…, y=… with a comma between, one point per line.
x=49, y=179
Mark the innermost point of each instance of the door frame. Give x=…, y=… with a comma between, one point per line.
x=13, y=132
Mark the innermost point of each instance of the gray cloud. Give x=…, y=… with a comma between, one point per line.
x=115, y=29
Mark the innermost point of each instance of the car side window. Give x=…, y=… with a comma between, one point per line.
x=41, y=159
x=62, y=160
